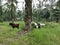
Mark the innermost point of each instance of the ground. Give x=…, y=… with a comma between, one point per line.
x=48, y=35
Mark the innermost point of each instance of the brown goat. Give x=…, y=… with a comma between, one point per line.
x=13, y=25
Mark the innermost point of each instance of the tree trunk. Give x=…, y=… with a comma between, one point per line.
x=28, y=14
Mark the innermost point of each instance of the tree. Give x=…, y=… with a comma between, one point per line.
x=56, y=15
x=47, y=15
x=19, y=15
x=0, y=7
x=1, y=11
x=12, y=9
x=28, y=14
x=58, y=3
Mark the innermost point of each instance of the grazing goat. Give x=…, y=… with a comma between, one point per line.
x=40, y=25
x=34, y=25
x=37, y=24
x=13, y=25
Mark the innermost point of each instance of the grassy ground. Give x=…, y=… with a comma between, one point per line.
x=48, y=35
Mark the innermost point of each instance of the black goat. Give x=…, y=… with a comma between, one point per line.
x=13, y=25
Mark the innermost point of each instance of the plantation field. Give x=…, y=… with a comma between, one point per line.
x=48, y=35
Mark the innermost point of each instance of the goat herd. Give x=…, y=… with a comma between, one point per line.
x=34, y=25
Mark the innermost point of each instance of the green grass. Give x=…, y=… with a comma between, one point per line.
x=48, y=35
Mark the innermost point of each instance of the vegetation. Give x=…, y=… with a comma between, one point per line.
x=48, y=35
x=32, y=12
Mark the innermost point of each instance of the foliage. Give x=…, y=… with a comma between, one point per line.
x=20, y=15
x=56, y=14
x=58, y=3
x=40, y=14
x=9, y=12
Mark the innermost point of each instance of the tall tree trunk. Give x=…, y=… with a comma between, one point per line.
x=28, y=14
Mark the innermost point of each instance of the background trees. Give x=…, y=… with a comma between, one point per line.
x=1, y=11
x=58, y=3
x=8, y=11
x=12, y=8
x=56, y=14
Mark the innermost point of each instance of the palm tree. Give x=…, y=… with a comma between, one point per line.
x=0, y=7
x=0, y=10
x=12, y=8
x=28, y=14
x=58, y=3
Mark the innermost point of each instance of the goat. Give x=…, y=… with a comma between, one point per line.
x=13, y=25
x=34, y=25
x=37, y=24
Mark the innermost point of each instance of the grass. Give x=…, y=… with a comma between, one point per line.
x=48, y=35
